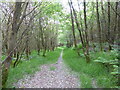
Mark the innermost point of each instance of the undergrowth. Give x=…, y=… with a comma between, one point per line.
x=92, y=70
x=26, y=67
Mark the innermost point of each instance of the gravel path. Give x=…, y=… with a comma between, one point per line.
x=51, y=76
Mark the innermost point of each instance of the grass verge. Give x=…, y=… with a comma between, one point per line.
x=91, y=70
x=31, y=66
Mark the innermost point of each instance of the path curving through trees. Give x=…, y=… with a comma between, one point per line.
x=51, y=76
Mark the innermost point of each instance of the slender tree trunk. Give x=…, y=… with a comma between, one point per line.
x=0, y=54
x=42, y=38
x=27, y=46
x=16, y=60
x=82, y=30
x=86, y=33
x=98, y=25
x=109, y=34
x=104, y=23
x=45, y=47
x=73, y=28
x=27, y=41
x=118, y=31
x=115, y=26
x=80, y=34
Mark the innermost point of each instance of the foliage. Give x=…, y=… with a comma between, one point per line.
x=111, y=63
x=91, y=70
x=80, y=46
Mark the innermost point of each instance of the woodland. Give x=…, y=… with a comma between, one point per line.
x=83, y=35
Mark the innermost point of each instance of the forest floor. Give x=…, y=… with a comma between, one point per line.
x=56, y=75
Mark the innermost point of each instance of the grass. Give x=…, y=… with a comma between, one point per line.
x=52, y=68
x=85, y=81
x=3, y=57
x=31, y=66
x=91, y=70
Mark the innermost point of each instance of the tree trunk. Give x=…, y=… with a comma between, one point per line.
x=109, y=34
x=80, y=34
x=118, y=31
x=86, y=33
x=0, y=54
x=12, y=41
x=115, y=26
x=104, y=23
x=98, y=25
x=73, y=28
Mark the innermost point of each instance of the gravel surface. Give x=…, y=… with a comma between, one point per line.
x=51, y=76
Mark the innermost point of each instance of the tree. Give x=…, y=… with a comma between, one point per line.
x=73, y=28
x=98, y=25
x=12, y=41
x=86, y=33
x=80, y=34
x=109, y=34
